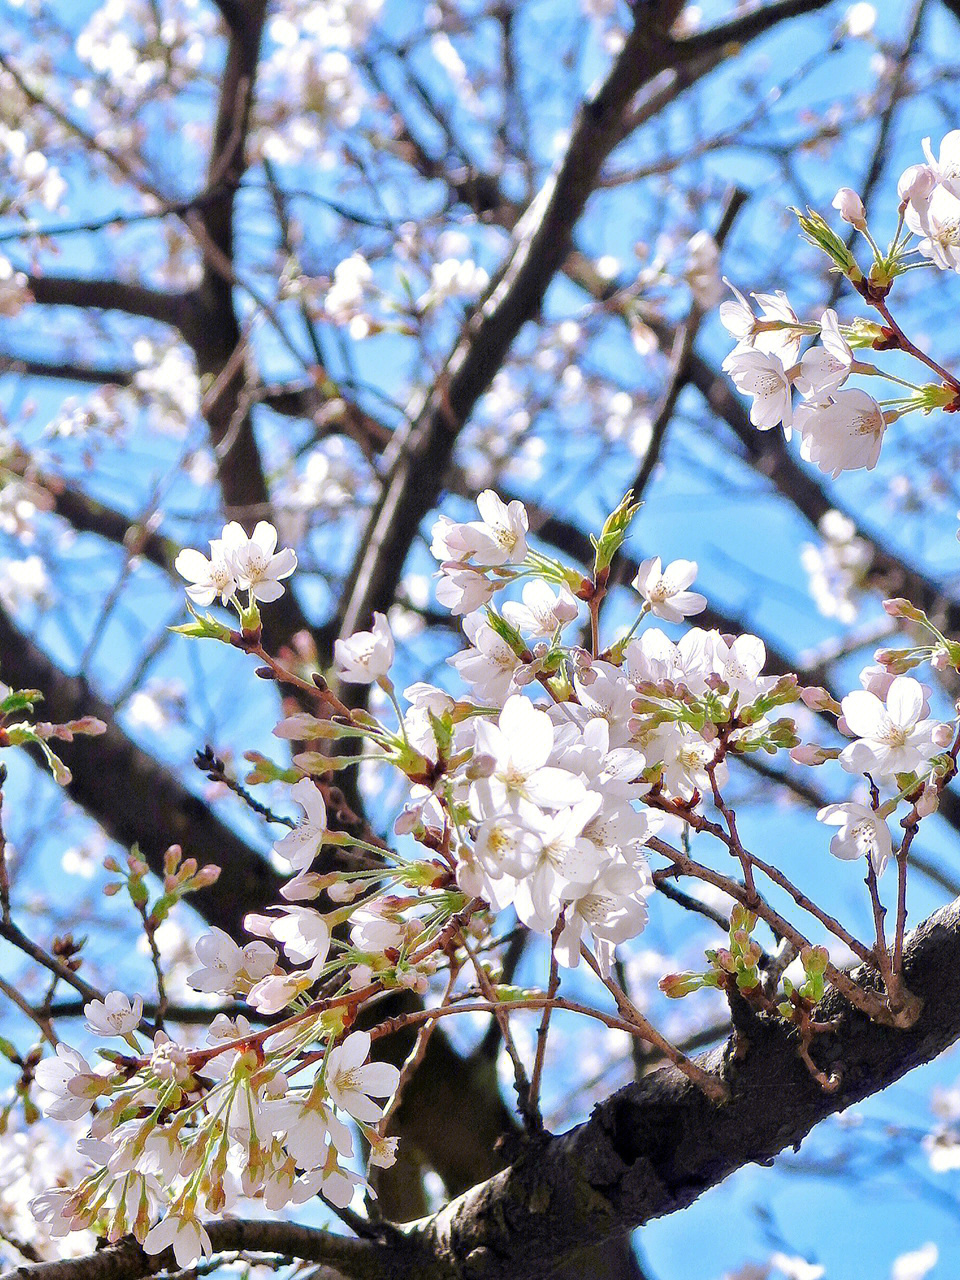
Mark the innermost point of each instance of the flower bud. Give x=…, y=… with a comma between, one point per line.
x=900, y=608
x=817, y=698
x=928, y=803
x=943, y=735
x=916, y=183
x=850, y=207
x=941, y=659
x=808, y=753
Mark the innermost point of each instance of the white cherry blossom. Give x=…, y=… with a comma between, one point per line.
x=507, y=523
x=303, y=842
x=862, y=834
x=763, y=377
x=114, y=1015
x=946, y=166
x=543, y=610
x=70, y=1083
x=366, y=655
x=665, y=590
x=892, y=735
x=612, y=908
x=256, y=562
x=843, y=435
x=185, y=1235
x=519, y=745
x=826, y=367
x=489, y=665
x=352, y=1082
x=208, y=578
x=936, y=220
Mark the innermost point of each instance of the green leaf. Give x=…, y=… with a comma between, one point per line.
x=19, y=700
x=614, y=532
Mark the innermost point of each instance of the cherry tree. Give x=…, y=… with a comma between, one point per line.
x=407, y=442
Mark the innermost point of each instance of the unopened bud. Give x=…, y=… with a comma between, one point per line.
x=943, y=735
x=850, y=207
x=916, y=183
x=206, y=876
x=900, y=608
x=817, y=699
x=808, y=753
x=940, y=661
x=929, y=802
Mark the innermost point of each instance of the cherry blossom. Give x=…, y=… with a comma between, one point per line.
x=519, y=745
x=71, y=1084
x=114, y=1015
x=763, y=377
x=850, y=207
x=489, y=665
x=862, y=834
x=211, y=577
x=365, y=656
x=843, y=435
x=184, y=1234
x=892, y=735
x=542, y=610
x=258, y=566
x=936, y=220
x=665, y=590
x=826, y=367
x=351, y=1080
x=506, y=524
x=302, y=843
x=946, y=166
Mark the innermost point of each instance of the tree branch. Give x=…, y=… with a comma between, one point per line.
x=654, y=1147
x=110, y=295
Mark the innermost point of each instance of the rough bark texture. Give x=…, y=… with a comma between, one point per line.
x=654, y=1147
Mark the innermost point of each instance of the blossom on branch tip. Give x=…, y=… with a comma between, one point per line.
x=258, y=565
x=844, y=434
x=892, y=735
x=763, y=377
x=850, y=207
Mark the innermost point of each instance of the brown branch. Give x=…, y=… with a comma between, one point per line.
x=110, y=295
x=417, y=459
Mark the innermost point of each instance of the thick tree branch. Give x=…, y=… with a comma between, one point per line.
x=649, y=1150
x=417, y=459
x=353, y=1259
x=654, y=1147
x=110, y=295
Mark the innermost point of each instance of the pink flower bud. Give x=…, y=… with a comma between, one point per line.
x=943, y=735
x=816, y=698
x=850, y=207
x=928, y=803
x=916, y=183
x=807, y=753
x=941, y=659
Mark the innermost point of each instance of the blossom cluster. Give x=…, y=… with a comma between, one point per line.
x=842, y=426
